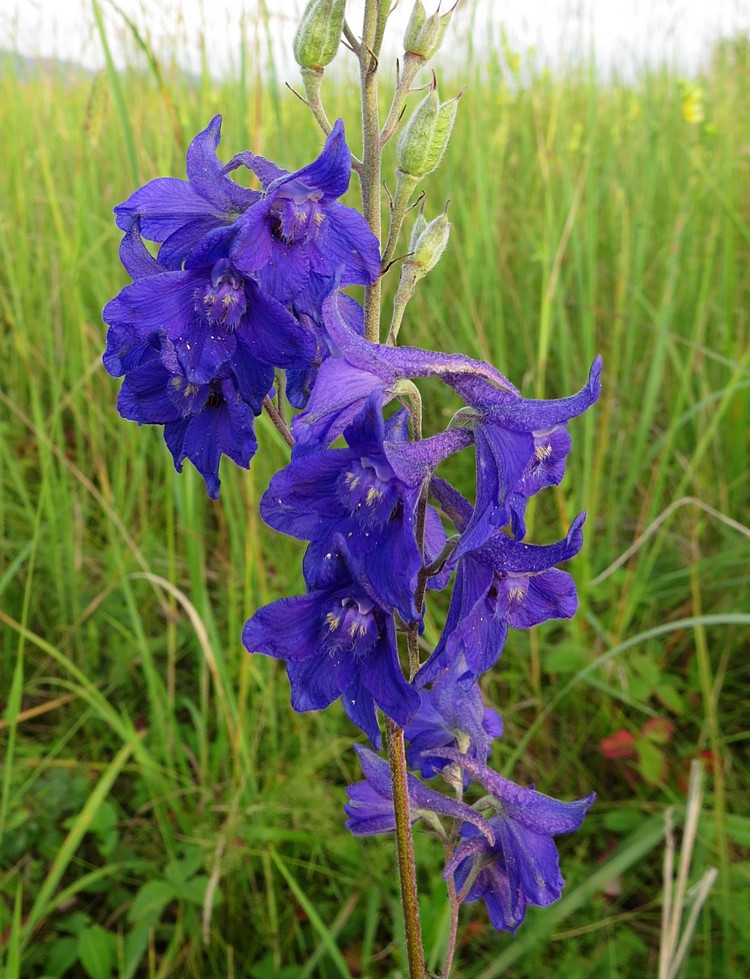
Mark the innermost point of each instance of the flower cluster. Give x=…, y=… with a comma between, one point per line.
x=248, y=284
x=231, y=295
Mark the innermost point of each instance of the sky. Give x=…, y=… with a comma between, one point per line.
x=624, y=34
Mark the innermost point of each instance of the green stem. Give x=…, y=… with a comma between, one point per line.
x=376, y=14
x=453, y=932
x=453, y=897
x=412, y=63
x=405, y=291
x=312, y=79
x=371, y=151
x=405, y=185
x=351, y=40
x=405, y=850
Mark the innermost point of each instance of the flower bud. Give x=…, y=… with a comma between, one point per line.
x=419, y=226
x=426, y=245
x=425, y=137
x=428, y=241
x=424, y=34
x=319, y=33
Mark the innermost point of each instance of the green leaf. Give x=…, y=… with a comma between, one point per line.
x=178, y=872
x=650, y=762
x=150, y=901
x=74, y=923
x=622, y=820
x=195, y=891
x=648, y=670
x=136, y=943
x=266, y=969
x=97, y=950
x=670, y=697
x=565, y=659
x=63, y=954
x=736, y=827
x=104, y=819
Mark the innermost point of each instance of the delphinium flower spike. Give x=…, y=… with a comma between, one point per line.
x=242, y=309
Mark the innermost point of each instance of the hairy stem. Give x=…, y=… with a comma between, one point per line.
x=412, y=63
x=453, y=932
x=375, y=17
x=312, y=78
x=405, y=186
x=405, y=850
x=351, y=40
x=278, y=421
x=371, y=151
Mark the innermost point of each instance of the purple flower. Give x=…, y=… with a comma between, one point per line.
x=337, y=642
x=204, y=417
x=545, y=468
x=213, y=316
x=358, y=368
x=307, y=309
x=503, y=583
x=182, y=213
x=201, y=422
x=451, y=715
x=520, y=446
x=370, y=806
x=522, y=866
x=298, y=226
x=368, y=493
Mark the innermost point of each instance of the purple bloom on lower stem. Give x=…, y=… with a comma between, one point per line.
x=298, y=226
x=521, y=447
x=201, y=422
x=451, y=715
x=370, y=807
x=545, y=468
x=503, y=583
x=337, y=641
x=181, y=213
x=522, y=866
x=368, y=493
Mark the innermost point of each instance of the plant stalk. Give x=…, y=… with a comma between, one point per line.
x=453, y=932
x=371, y=151
x=278, y=421
x=376, y=14
x=405, y=850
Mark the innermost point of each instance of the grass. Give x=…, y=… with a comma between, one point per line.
x=162, y=811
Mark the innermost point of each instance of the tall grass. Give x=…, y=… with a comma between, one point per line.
x=162, y=810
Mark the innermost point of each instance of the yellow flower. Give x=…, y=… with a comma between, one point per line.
x=693, y=109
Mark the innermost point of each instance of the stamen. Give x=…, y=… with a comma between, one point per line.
x=543, y=452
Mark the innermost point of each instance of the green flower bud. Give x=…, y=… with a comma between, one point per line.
x=425, y=137
x=428, y=242
x=319, y=33
x=419, y=226
x=424, y=34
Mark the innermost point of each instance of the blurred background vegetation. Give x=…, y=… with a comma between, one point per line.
x=163, y=812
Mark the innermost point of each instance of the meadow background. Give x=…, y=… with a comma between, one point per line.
x=163, y=813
